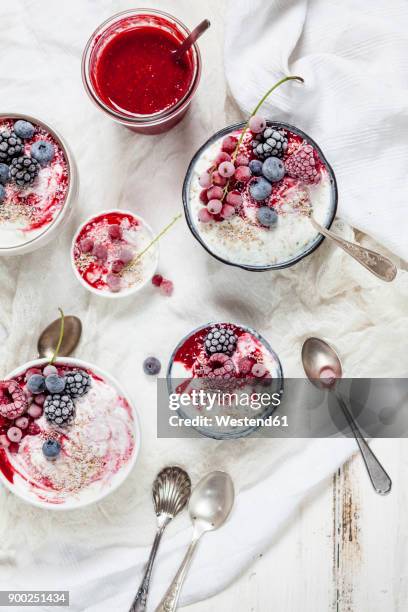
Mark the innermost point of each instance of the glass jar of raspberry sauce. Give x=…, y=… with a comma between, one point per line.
x=129, y=70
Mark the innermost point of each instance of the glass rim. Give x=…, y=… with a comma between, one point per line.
x=135, y=119
x=263, y=267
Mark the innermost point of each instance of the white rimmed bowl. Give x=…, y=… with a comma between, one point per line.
x=20, y=487
x=125, y=292
x=70, y=199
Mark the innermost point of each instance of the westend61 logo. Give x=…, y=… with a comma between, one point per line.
x=206, y=408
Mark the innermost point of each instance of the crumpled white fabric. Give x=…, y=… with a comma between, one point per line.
x=353, y=102
x=98, y=552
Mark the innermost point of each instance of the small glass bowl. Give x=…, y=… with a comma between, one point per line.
x=155, y=123
x=125, y=292
x=192, y=224
x=277, y=386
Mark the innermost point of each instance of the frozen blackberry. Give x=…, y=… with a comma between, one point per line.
x=271, y=143
x=10, y=146
x=77, y=383
x=24, y=170
x=220, y=340
x=59, y=409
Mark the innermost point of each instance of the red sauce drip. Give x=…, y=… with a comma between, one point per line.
x=5, y=466
x=136, y=71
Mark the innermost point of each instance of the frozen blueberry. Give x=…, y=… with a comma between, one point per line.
x=36, y=383
x=267, y=216
x=260, y=188
x=4, y=173
x=255, y=166
x=273, y=169
x=2, y=193
x=151, y=366
x=51, y=449
x=24, y=129
x=55, y=383
x=43, y=152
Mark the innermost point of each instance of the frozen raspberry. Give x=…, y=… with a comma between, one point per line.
x=21, y=422
x=100, y=251
x=117, y=266
x=258, y=370
x=245, y=365
x=157, y=280
x=214, y=206
x=115, y=231
x=14, y=402
x=227, y=211
x=126, y=255
x=204, y=216
x=214, y=193
x=302, y=165
x=86, y=245
x=35, y=411
x=219, y=180
x=114, y=282
x=229, y=144
x=167, y=287
x=4, y=441
x=221, y=366
x=14, y=434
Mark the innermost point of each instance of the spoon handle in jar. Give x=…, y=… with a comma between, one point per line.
x=170, y=600
x=377, y=264
x=379, y=478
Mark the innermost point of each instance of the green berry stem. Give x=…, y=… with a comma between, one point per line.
x=155, y=239
x=61, y=337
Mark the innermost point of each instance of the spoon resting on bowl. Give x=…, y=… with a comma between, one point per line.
x=377, y=264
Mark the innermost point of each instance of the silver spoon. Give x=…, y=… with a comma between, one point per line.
x=191, y=39
x=171, y=492
x=209, y=508
x=48, y=339
x=323, y=366
x=377, y=264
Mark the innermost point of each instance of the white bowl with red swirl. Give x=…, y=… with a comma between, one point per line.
x=98, y=448
x=33, y=214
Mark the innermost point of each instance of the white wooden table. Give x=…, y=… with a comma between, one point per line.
x=346, y=550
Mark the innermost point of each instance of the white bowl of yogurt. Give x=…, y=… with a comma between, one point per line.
x=32, y=215
x=98, y=449
x=104, y=253
x=235, y=360
x=240, y=239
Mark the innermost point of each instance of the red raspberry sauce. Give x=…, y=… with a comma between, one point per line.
x=136, y=71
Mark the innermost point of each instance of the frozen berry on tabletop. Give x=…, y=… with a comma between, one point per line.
x=167, y=288
x=157, y=280
x=151, y=366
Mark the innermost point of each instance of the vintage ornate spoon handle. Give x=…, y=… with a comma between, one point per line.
x=170, y=599
x=379, y=265
x=139, y=602
x=378, y=476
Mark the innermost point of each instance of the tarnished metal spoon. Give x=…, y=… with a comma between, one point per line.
x=48, y=340
x=171, y=492
x=209, y=508
x=323, y=367
x=374, y=262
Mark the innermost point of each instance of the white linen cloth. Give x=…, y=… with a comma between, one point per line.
x=98, y=552
x=352, y=56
